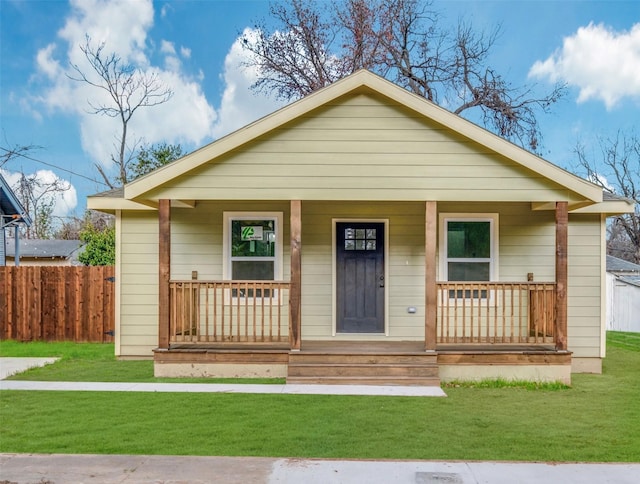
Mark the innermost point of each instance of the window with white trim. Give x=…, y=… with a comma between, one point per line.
x=253, y=246
x=469, y=247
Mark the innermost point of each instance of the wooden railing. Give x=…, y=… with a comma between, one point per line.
x=229, y=312
x=496, y=312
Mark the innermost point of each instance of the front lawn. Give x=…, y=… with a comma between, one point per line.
x=95, y=362
x=597, y=420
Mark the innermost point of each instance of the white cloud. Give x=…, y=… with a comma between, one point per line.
x=240, y=105
x=65, y=201
x=602, y=63
x=185, y=52
x=123, y=26
x=167, y=47
x=600, y=179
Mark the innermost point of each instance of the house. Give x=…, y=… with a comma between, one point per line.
x=361, y=235
x=623, y=295
x=42, y=252
x=12, y=215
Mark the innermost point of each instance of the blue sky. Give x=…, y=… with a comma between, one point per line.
x=594, y=46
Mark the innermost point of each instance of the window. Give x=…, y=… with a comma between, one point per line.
x=468, y=247
x=253, y=246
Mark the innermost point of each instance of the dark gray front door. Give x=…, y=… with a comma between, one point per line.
x=360, y=277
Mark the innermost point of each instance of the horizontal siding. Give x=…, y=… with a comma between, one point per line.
x=585, y=264
x=196, y=237
x=139, y=283
x=526, y=245
x=321, y=156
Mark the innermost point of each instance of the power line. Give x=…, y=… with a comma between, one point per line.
x=15, y=153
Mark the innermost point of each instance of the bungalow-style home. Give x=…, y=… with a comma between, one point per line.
x=12, y=215
x=623, y=295
x=362, y=235
x=41, y=252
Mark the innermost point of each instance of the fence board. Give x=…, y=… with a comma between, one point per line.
x=57, y=303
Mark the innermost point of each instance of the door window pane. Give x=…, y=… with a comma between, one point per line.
x=360, y=239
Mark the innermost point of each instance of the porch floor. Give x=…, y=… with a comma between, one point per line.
x=385, y=347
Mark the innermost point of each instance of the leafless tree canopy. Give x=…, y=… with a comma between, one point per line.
x=316, y=44
x=38, y=199
x=616, y=167
x=128, y=89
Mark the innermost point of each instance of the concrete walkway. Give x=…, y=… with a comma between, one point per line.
x=10, y=366
x=56, y=469
x=289, y=389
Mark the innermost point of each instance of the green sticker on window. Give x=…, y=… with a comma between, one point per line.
x=251, y=233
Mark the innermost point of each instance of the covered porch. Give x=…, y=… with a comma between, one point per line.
x=251, y=322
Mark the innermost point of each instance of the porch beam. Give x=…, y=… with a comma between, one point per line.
x=431, y=296
x=562, y=224
x=295, y=291
x=164, y=250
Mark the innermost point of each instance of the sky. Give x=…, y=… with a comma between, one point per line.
x=193, y=46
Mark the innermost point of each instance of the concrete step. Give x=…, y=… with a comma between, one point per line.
x=363, y=380
x=361, y=358
x=365, y=370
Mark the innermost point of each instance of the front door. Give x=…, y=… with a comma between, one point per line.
x=360, y=277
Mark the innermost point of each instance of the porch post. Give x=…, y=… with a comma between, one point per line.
x=562, y=222
x=431, y=296
x=164, y=249
x=295, y=289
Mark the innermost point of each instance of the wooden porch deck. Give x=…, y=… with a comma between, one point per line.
x=362, y=362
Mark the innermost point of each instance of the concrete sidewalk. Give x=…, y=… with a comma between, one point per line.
x=57, y=469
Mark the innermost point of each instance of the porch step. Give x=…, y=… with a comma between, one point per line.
x=363, y=380
x=363, y=368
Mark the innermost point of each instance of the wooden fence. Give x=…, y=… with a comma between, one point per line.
x=40, y=303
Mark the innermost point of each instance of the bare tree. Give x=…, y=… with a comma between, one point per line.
x=617, y=169
x=38, y=199
x=128, y=89
x=36, y=195
x=402, y=40
x=14, y=152
x=72, y=228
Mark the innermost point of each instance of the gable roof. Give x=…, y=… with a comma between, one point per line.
x=361, y=81
x=10, y=205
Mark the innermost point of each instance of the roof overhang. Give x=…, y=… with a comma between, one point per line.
x=609, y=207
x=10, y=207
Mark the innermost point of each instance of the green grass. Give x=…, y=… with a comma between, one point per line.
x=596, y=420
x=96, y=362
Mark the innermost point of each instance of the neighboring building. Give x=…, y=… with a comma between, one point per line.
x=623, y=295
x=362, y=235
x=12, y=215
x=40, y=252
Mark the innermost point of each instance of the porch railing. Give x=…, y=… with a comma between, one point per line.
x=229, y=311
x=496, y=312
